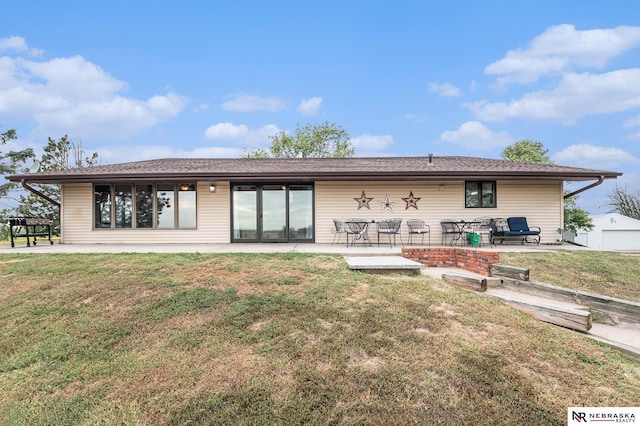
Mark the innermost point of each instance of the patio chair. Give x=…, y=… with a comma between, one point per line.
x=483, y=228
x=358, y=229
x=418, y=227
x=466, y=229
x=451, y=230
x=390, y=227
x=340, y=229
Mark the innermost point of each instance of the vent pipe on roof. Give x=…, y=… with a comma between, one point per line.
x=571, y=194
x=430, y=160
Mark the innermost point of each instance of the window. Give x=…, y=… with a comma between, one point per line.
x=102, y=206
x=480, y=194
x=145, y=206
x=123, y=206
x=187, y=206
x=166, y=215
x=300, y=212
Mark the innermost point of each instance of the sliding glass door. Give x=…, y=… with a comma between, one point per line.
x=245, y=213
x=272, y=213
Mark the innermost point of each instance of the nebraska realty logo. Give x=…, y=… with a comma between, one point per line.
x=600, y=415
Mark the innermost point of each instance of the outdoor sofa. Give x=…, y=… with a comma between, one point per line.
x=514, y=229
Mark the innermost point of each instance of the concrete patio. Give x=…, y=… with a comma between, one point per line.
x=357, y=250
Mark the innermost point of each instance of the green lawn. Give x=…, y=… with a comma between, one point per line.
x=608, y=273
x=284, y=339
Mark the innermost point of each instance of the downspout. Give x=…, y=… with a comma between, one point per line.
x=571, y=194
x=47, y=198
x=38, y=193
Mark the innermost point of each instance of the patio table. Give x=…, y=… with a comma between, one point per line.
x=358, y=229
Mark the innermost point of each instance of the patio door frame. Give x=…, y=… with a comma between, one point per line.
x=257, y=235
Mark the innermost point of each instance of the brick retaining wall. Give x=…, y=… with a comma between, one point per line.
x=470, y=259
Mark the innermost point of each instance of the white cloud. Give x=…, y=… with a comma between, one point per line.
x=200, y=107
x=19, y=45
x=634, y=122
x=632, y=136
x=446, y=90
x=476, y=136
x=560, y=48
x=309, y=106
x=117, y=117
x=371, y=144
x=112, y=154
x=241, y=134
x=74, y=78
x=591, y=156
x=250, y=103
x=577, y=95
x=76, y=97
x=226, y=131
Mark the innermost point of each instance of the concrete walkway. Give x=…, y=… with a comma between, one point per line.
x=357, y=250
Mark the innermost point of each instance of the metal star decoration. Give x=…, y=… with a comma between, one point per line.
x=387, y=204
x=363, y=201
x=411, y=201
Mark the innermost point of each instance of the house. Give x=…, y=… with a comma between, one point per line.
x=612, y=231
x=296, y=199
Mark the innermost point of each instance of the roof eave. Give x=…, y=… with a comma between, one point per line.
x=314, y=176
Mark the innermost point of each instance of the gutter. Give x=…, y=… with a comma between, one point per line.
x=571, y=194
x=38, y=193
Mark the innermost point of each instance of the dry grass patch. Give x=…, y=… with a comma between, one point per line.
x=280, y=339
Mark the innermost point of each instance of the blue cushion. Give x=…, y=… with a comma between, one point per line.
x=518, y=224
x=517, y=233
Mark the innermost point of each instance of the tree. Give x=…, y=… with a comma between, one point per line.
x=528, y=151
x=575, y=218
x=625, y=202
x=309, y=141
x=57, y=155
x=11, y=162
x=534, y=152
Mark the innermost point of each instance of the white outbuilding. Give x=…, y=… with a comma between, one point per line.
x=612, y=231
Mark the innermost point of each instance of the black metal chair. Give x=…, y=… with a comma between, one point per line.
x=483, y=228
x=466, y=230
x=418, y=227
x=340, y=229
x=358, y=229
x=451, y=230
x=390, y=227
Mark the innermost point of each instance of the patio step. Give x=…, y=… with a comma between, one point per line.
x=384, y=264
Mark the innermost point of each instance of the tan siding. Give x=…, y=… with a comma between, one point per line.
x=213, y=220
x=438, y=200
x=539, y=201
x=76, y=212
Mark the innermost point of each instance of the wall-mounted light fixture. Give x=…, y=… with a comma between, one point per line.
x=184, y=187
x=212, y=188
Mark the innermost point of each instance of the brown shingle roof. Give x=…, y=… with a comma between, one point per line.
x=316, y=169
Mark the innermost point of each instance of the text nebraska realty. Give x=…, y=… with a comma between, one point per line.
x=604, y=417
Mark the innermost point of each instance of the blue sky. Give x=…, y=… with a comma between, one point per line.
x=140, y=80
